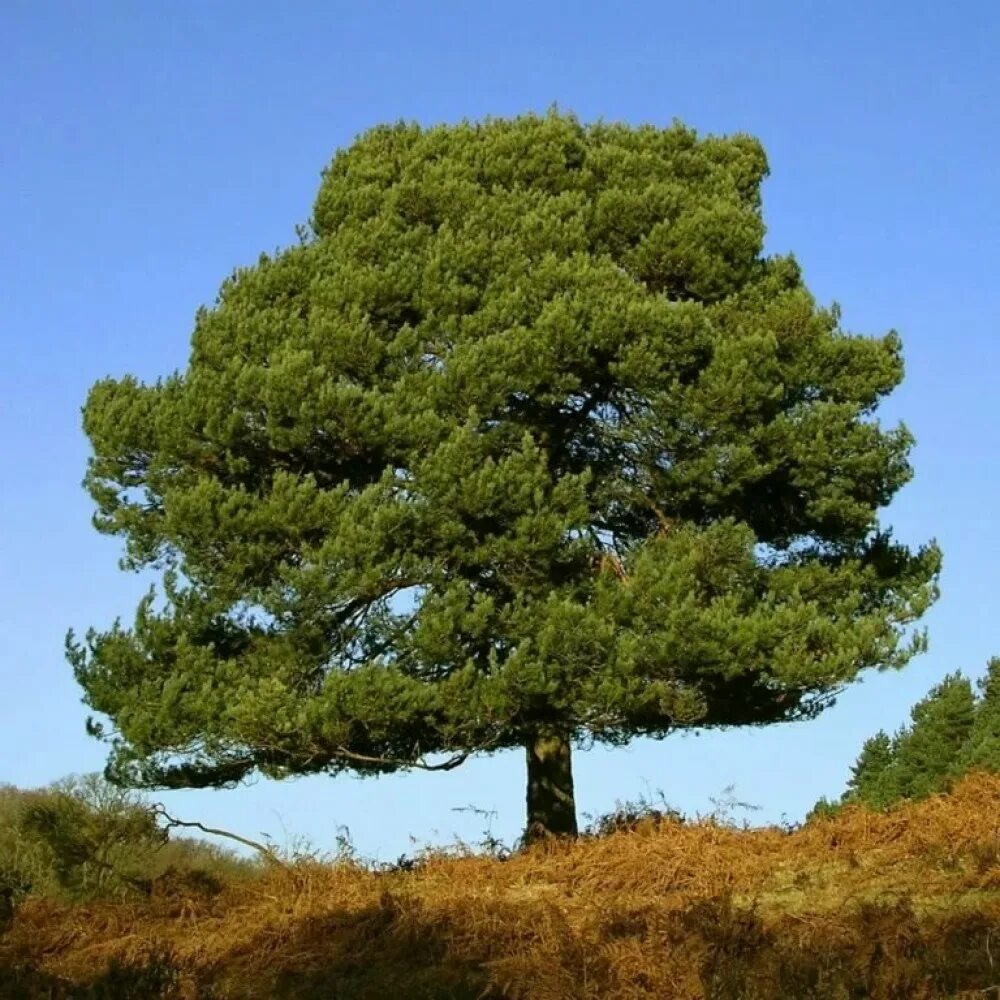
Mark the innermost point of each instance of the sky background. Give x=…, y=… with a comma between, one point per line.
x=147, y=149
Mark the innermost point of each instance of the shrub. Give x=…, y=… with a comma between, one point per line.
x=83, y=837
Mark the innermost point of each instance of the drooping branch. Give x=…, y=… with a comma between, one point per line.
x=450, y=764
x=171, y=822
x=301, y=760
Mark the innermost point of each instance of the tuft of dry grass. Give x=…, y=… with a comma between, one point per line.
x=902, y=904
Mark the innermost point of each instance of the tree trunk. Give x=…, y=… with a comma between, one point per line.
x=551, y=805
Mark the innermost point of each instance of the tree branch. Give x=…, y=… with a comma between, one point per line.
x=447, y=765
x=172, y=822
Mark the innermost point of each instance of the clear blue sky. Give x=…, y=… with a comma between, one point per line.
x=146, y=149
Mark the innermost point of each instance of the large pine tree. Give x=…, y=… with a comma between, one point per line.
x=525, y=444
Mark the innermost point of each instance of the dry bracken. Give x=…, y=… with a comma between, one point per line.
x=900, y=904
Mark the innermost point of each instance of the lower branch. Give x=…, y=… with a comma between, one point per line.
x=172, y=822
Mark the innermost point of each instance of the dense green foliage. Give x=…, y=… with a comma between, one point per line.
x=526, y=436
x=83, y=838
x=951, y=732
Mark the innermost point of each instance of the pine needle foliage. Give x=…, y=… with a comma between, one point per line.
x=952, y=731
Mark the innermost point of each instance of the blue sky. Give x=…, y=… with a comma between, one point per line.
x=146, y=149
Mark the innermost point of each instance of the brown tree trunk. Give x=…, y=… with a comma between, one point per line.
x=551, y=805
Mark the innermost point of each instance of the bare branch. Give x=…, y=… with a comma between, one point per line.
x=172, y=822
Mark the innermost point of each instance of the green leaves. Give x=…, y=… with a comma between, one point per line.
x=525, y=433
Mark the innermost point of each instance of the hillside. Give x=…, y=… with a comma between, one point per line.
x=903, y=904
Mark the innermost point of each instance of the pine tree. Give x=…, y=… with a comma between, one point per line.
x=525, y=444
x=950, y=733
x=981, y=749
x=872, y=775
x=927, y=752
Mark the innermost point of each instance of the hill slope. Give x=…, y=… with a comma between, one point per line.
x=903, y=904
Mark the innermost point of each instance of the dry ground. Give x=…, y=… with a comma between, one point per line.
x=901, y=905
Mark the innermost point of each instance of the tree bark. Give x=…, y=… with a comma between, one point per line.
x=551, y=805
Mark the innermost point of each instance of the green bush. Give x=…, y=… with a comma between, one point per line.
x=83, y=837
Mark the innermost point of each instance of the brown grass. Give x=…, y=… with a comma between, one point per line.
x=902, y=905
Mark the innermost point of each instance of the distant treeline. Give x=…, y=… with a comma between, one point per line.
x=955, y=729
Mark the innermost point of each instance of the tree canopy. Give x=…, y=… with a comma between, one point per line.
x=525, y=443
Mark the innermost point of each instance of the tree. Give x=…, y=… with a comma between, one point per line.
x=925, y=754
x=525, y=444
x=951, y=732
x=871, y=776
x=982, y=747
